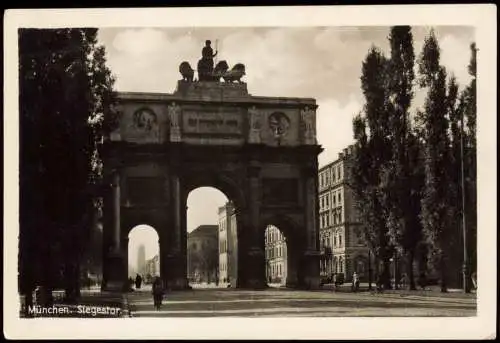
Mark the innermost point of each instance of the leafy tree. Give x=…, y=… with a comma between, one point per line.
x=372, y=151
x=437, y=210
x=65, y=93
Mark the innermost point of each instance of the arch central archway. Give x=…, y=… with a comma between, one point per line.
x=143, y=253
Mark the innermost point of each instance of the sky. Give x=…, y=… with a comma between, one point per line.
x=319, y=62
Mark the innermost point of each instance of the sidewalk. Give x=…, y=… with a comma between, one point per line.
x=430, y=291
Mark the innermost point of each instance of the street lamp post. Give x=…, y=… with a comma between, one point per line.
x=465, y=269
x=369, y=270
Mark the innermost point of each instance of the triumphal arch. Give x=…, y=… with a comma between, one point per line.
x=260, y=151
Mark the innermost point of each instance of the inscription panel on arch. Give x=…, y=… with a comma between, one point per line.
x=212, y=122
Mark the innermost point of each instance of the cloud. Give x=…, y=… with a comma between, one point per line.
x=139, y=42
x=455, y=55
x=334, y=123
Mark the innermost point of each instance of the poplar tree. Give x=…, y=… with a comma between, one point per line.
x=401, y=181
x=372, y=150
x=437, y=210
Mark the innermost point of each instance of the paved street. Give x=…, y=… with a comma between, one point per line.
x=276, y=302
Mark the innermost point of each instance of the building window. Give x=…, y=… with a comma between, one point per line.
x=340, y=239
x=340, y=173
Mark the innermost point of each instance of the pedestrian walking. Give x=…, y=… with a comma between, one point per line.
x=138, y=281
x=474, y=279
x=157, y=291
x=380, y=284
x=404, y=281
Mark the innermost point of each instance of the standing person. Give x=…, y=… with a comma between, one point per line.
x=474, y=279
x=334, y=280
x=355, y=282
x=138, y=281
x=157, y=291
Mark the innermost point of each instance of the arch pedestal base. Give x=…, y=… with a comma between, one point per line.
x=114, y=278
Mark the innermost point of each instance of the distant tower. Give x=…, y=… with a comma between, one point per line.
x=141, y=259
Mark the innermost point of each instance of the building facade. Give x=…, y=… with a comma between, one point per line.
x=341, y=243
x=228, y=245
x=276, y=256
x=202, y=254
x=153, y=266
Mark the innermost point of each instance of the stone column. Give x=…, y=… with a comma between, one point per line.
x=115, y=266
x=116, y=212
x=124, y=248
x=176, y=242
x=176, y=255
x=253, y=267
x=311, y=257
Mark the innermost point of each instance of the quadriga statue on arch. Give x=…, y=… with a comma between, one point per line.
x=207, y=72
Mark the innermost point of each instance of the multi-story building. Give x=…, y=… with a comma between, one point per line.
x=342, y=247
x=228, y=245
x=276, y=256
x=153, y=266
x=202, y=254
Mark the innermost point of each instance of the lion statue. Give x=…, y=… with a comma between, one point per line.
x=220, y=69
x=235, y=74
x=186, y=71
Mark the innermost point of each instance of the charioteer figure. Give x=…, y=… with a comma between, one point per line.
x=208, y=54
x=206, y=63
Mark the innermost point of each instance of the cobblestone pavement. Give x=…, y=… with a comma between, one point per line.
x=278, y=302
